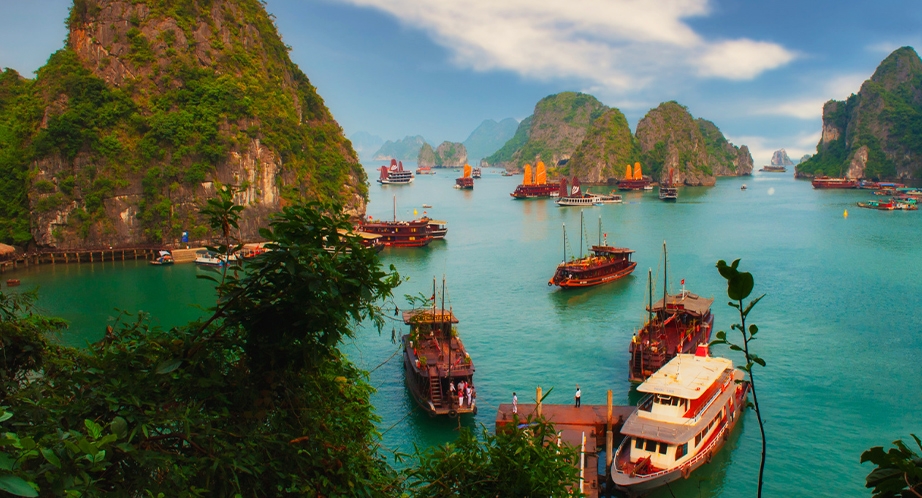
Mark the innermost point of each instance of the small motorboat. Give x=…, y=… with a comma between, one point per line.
x=743, y=187
x=12, y=282
x=427, y=205
x=164, y=257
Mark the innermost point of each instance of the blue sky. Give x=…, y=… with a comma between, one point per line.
x=759, y=70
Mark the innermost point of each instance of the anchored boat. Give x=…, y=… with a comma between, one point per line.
x=395, y=174
x=675, y=324
x=605, y=264
x=667, y=189
x=466, y=181
x=635, y=180
x=827, y=182
x=692, y=404
x=574, y=196
x=398, y=233
x=536, y=186
x=435, y=361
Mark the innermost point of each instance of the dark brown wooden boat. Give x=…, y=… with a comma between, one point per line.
x=535, y=185
x=635, y=180
x=397, y=233
x=827, y=182
x=605, y=264
x=466, y=181
x=677, y=323
x=436, y=362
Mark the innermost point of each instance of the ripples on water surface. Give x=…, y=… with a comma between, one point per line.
x=838, y=326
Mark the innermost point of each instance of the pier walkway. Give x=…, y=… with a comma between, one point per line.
x=584, y=428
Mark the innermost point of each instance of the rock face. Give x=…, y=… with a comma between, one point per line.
x=557, y=127
x=447, y=155
x=489, y=137
x=780, y=158
x=694, y=151
x=403, y=150
x=608, y=147
x=875, y=133
x=150, y=104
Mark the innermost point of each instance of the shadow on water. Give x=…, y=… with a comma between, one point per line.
x=566, y=298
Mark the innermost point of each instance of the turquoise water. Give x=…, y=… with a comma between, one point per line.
x=838, y=325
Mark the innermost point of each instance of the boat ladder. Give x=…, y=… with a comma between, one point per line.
x=435, y=387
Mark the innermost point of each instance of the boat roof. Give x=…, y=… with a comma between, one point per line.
x=612, y=250
x=686, y=302
x=429, y=315
x=358, y=233
x=686, y=376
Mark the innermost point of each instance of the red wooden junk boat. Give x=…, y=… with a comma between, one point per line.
x=605, y=264
x=436, y=363
x=827, y=182
x=465, y=182
x=395, y=174
x=634, y=180
x=398, y=233
x=675, y=324
x=535, y=186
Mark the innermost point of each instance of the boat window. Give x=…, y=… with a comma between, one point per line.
x=681, y=451
x=651, y=445
x=662, y=448
x=638, y=443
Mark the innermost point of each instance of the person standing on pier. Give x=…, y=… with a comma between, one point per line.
x=515, y=403
x=577, y=396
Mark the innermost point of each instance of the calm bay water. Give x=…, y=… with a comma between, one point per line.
x=838, y=326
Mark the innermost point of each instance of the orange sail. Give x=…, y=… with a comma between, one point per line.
x=540, y=174
x=527, y=180
x=638, y=175
x=467, y=171
x=627, y=174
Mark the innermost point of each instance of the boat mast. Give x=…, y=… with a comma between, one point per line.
x=600, y=229
x=395, y=208
x=564, y=242
x=442, y=326
x=665, y=283
x=582, y=227
x=650, y=288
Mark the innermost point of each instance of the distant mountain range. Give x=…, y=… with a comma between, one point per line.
x=365, y=144
x=876, y=133
x=401, y=150
x=488, y=138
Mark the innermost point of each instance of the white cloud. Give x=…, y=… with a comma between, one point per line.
x=762, y=148
x=811, y=107
x=613, y=43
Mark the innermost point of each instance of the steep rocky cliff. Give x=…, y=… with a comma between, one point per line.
x=556, y=129
x=780, y=158
x=695, y=150
x=607, y=148
x=876, y=133
x=446, y=155
x=127, y=128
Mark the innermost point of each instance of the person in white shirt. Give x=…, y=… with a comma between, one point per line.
x=577, y=396
x=515, y=403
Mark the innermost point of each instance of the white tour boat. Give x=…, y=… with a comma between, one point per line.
x=693, y=404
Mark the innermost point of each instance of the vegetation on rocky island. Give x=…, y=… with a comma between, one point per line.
x=199, y=91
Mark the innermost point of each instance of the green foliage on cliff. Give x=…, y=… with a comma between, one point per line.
x=885, y=116
x=186, y=106
x=608, y=148
x=20, y=113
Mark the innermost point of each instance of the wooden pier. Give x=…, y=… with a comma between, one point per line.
x=589, y=428
x=94, y=256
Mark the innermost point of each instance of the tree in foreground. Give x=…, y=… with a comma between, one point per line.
x=257, y=400
x=739, y=286
x=898, y=473
x=521, y=461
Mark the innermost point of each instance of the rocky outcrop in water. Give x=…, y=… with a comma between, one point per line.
x=446, y=155
x=406, y=149
x=147, y=106
x=780, y=158
x=876, y=133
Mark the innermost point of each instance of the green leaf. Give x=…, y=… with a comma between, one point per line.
x=5, y=416
x=753, y=330
x=119, y=427
x=51, y=457
x=740, y=286
x=16, y=486
x=93, y=429
x=6, y=461
x=167, y=366
x=758, y=360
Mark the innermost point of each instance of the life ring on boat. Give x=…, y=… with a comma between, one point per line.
x=685, y=472
x=710, y=454
x=452, y=413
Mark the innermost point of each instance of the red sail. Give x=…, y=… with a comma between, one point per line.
x=563, y=187
x=384, y=172
x=574, y=190
x=400, y=166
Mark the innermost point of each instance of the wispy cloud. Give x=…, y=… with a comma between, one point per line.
x=811, y=106
x=762, y=148
x=618, y=44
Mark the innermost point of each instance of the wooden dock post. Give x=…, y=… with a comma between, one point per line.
x=609, y=440
x=538, y=400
